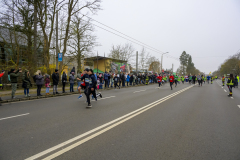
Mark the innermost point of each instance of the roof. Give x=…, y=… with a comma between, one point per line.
x=101, y=58
x=99, y=71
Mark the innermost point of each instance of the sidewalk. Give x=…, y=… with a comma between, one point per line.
x=6, y=95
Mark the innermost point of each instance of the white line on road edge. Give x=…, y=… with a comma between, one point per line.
x=139, y=91
x=100, y=127
x=238, y=106
x=15, y=116
x=225, y=90
x=232, y=97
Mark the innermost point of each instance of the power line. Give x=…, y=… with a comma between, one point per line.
x=142, y=44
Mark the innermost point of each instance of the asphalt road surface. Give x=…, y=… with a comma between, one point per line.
x=138, y=123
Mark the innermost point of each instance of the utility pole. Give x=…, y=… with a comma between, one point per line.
x=137, y=62
x=172, y=67
x=162, y=60
x=104, y=62
x=35, y=31
x=57, y=39
x=97, y=62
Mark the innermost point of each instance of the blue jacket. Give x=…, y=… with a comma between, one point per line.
x=92, y=81
x=208, y=77
x=128, y=78
x=105, y=76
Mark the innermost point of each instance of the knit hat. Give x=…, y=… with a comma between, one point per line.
x=12, y=70
x=56, y=70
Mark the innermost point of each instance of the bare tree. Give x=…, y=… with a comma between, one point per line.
x=144, y=58
x=154, y=64
x=120, y=52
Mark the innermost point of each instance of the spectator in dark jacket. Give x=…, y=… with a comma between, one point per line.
x=71, y=81
x=26, y=83
x=55, y=78
x=64, y=80
x=131, y=80
x=106, y=79
x=39, y=82
x=13, y=77
x=123, y=79
x=73, y=70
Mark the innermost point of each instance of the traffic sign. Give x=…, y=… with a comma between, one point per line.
x=59, y=57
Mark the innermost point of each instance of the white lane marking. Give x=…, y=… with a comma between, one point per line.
x=225, y=90
x=98, y=128
x=232, y=97
x=15, y=116
x=139, y=91
x=106, y=98
x=100, y=132
x=238, y=106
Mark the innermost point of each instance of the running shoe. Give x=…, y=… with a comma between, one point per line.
x=80, y=96
x=89, y=106
x=100, y=95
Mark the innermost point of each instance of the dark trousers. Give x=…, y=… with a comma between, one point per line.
x=106, y=83
x=71, y=87
x=194, y=81
x=88, y=93
x=176, y=82
x=159, y=83
x=39, y=87
x=127, y=83
x=200, y=82
x=63, y=86
x=123, y=83
x=171, y=83
x=116, y=84
x=230, y=90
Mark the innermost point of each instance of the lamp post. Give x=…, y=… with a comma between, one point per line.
x=162, y=60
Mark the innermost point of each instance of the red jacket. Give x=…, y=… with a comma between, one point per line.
x=1, y=75
x=171, y=78
x=159, y=78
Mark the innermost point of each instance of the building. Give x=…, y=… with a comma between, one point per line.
x=105, y=64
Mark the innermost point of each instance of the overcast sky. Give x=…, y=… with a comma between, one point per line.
x=208, y=30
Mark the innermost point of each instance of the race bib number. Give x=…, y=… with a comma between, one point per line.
x=90, y=81
x=87, y=80
x=170, y=79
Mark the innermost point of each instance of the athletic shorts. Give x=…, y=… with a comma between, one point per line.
x=83, y=87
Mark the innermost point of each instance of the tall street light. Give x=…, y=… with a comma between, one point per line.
x=162, y=60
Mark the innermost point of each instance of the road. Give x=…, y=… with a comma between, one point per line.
x=188, y=122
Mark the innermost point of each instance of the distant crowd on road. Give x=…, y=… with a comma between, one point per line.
x=106, y=80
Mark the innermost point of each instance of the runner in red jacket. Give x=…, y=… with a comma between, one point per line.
x=1, y=74
x=159, y=80
x=171, y=80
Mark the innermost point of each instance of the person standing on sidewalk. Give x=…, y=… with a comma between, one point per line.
x=128, y=79
x=47, y=84
x=64, y=80
x=14, y=79
x=39, y=82
x=116, y=80
x=71, y=81
x=78, y=79
x=1, y=74
x=55, y=78
x=26, y=83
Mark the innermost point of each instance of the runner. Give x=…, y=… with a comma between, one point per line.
x=179, y=79
x=230, y=84
x=223, y=80
x=83, y=85
x=159, y=80
x=205, y=79
x=176, y=80
x=182, y=79
x=116, y=80
x=212, y=80
x=208, y=79
x=91, y=87
x=199, y=78
x=190, y=79
x=171, y=80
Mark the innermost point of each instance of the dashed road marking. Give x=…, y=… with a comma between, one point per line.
x=232, y=97
x=225, y=90
x=15, y=116
x=139, y=91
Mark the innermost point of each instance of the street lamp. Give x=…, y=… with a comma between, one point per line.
x=162, y=60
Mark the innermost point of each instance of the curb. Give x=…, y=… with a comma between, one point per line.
x=60, y=94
